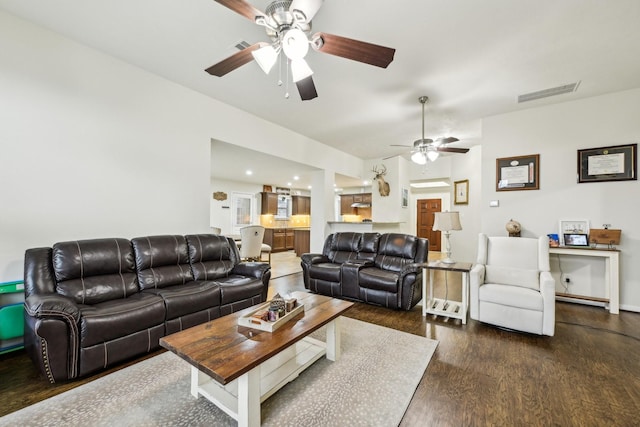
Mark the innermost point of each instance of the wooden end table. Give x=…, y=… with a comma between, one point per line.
x=237, y=367
x=441, y=307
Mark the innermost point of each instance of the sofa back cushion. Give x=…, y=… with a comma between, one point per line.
x=344, y=247
x=211, y=256
x=96, y=270
x=161, y=261
x=396, y=250
x=369, y=246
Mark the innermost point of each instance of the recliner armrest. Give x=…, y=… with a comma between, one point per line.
x=414, y=267
x=251, y=269
x=52, y=306
x=310, y=259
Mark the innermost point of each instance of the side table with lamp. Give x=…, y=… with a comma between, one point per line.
x=446, y=222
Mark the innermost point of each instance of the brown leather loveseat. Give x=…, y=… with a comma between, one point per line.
x=90, y=304
x=380, y=269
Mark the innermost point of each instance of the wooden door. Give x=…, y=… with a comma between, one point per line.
x=425, y=215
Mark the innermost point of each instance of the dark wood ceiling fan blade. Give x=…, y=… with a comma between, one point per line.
x=243, y=8
x=307, y=89
x=452, y=150
x=236, y=60
x=356, y=50
x=447, y=140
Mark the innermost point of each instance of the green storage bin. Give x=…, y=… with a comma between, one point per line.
x=11, y=321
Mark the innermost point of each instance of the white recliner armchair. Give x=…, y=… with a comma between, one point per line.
x=511, y=285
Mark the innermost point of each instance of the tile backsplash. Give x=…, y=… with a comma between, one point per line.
x=294, y=221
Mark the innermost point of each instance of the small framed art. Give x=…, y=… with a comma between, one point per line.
x=461, y=192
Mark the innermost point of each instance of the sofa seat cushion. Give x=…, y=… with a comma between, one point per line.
x=327, y=271
x=514, y=296
x=237, y=288
x=190, y=298
x=113, y=319
x=378, y=279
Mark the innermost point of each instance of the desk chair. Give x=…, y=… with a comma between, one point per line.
x=251, y=246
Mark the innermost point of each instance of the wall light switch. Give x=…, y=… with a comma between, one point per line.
x=494, y=203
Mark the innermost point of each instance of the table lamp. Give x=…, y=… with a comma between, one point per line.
x=447, y=221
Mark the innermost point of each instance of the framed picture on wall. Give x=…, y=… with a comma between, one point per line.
x=518, y=173
x=614, y=163
x=461, y=192
x=405, y=198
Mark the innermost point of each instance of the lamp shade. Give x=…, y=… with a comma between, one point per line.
x=419, y=157
x=300, y=70
x=432, y=154
x=265, y=57
x=447, y=221
x=295, y=44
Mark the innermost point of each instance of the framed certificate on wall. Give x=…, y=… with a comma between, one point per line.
x=518, y=173
x=614, y=163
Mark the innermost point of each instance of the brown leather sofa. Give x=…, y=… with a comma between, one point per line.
x=380, y=269
x=90, y=304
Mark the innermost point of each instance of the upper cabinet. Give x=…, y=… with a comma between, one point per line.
x=269, y=204
x=301, y=205
x=347, y=201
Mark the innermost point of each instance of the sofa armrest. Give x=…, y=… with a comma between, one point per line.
x=360, y=263
x=310, y=259
x=52, y=306
x=476, y=279
x=548, y=291
x=414, y=267
x=251, y=269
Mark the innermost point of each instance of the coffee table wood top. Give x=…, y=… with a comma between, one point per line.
x=224, y=350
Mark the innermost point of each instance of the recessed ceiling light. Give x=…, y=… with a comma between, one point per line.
x=295, y=178
x=288, y=184
x=365, y=182
x=309, y=187
x=249, y=172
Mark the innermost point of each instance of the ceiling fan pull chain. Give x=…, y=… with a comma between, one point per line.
x=286, y=94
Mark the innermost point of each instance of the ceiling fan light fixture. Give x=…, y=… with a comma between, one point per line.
x=432, y=155
x=300, y=70
x=266, y=57
x=295, y=44
x=419, y=158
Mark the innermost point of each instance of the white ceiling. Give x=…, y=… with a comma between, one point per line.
x=472, y=58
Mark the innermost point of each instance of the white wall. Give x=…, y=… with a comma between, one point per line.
x=556, y=133
x=221, y=211
x=93, y=147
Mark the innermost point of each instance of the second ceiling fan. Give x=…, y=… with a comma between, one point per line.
x=425, y=149
x=288, y=25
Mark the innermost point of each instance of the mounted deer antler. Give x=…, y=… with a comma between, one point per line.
x=383, y=186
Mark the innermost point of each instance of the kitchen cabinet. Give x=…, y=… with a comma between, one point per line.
x=280, y=239
x=301, y=241
x=269, y=203
x=346, y=200
x=301, y=205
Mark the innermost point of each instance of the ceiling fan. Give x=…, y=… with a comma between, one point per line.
x=424, y=149
x=288, y=24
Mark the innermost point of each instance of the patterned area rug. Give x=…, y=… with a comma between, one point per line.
x=371, y=385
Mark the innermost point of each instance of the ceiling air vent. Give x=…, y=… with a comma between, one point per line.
x=549, y=92
x=242, y=45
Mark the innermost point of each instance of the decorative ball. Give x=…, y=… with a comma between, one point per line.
x=514, y=228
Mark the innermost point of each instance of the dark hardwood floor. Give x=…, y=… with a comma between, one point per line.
x=588, y=374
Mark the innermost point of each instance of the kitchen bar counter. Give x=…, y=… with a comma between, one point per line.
x=374, y=226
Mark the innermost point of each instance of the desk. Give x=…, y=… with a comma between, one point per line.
x=440, y=307
x=611, y=271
